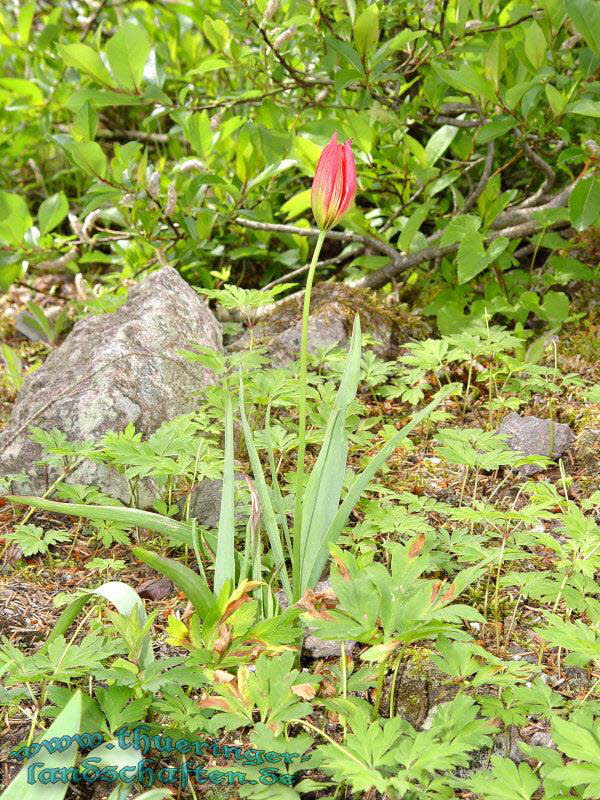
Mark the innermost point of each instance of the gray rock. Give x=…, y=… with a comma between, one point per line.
x=333, y=308
x=533, y=436
x=111, y=370
x=420, y=687
x=205, y=502
x=312, y=646
x=315, y=648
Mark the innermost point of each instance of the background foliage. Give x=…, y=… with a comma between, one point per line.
x=139, y=134
x=181, y=133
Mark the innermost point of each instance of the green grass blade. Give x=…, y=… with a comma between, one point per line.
x=267, y=512
x=361, y=482
x=225, y=560
x=194, y=587
x=323, y=489
x=131, y=517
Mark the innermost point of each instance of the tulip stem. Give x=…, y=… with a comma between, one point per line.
x=302, y=379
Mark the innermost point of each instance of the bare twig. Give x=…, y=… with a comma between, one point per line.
x=344, y=256
x=57, y=264
x=460, y=123
x=124, y=136
x=544, y=167
x=300, y=78
x=485, y=176
x=513, y=224
x=478, y=31
x=341, y=236
x=457, y=108
x=517, y=214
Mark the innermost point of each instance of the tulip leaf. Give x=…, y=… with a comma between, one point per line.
x=225, y=561
x=194, y=586
x=268, y=514
x=322, y=494
x=130, y=517
x=361, y=482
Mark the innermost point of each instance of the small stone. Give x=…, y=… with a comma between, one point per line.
x=26, y=325
x=155, y=589
x=533, y=436
x=313, y=647
x=205, y=502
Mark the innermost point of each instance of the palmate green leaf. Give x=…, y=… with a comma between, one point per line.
x=505, y=781
x=225, y=561
x=362, y=481
x=576, y=741
x=322, y=494
x=67, y=723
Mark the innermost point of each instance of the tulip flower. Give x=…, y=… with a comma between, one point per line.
x=334, y=184
x=333, y=190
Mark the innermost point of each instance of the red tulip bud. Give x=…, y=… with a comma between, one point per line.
x=334, y=184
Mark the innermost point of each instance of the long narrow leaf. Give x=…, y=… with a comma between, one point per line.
x=225, y=560
x=132, y=517
x=67, y=723
x=268, y=514
x=323, y=489
x=361, y=482
x=194, y=586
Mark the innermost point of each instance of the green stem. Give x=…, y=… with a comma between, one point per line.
x=302, y=378
x=379, y=688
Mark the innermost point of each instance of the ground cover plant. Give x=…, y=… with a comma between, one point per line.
x=357, y=555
